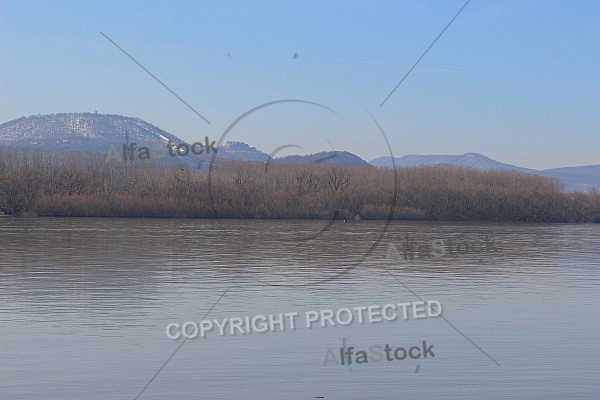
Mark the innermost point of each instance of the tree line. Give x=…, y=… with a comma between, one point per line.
x=85, y=185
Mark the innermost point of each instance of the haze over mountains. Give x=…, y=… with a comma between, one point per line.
x=92, y=132
x=472, y=160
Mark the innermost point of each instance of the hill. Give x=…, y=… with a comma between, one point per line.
x=574, y=179
x=472, y=160
x=84, y=132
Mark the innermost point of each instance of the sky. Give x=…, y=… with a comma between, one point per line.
x=516, y=81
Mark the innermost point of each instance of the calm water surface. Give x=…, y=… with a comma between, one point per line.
x=84, y=306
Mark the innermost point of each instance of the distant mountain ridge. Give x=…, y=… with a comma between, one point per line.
x=244, y=152
x=93, y=132
x=473, y=160
x=575, y=179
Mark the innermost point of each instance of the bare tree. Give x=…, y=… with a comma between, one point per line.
x=307, y=182
x=337, y=179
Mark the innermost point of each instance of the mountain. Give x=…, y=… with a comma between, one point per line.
x=93, y=132
x=243, y=152
x=577, y=179
x=88, y=132
x=326, y=157
x=574, y=179
x=472, y=160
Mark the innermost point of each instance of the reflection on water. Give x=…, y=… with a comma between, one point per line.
x=84, y=304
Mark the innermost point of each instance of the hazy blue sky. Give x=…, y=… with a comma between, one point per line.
x=515, y=80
